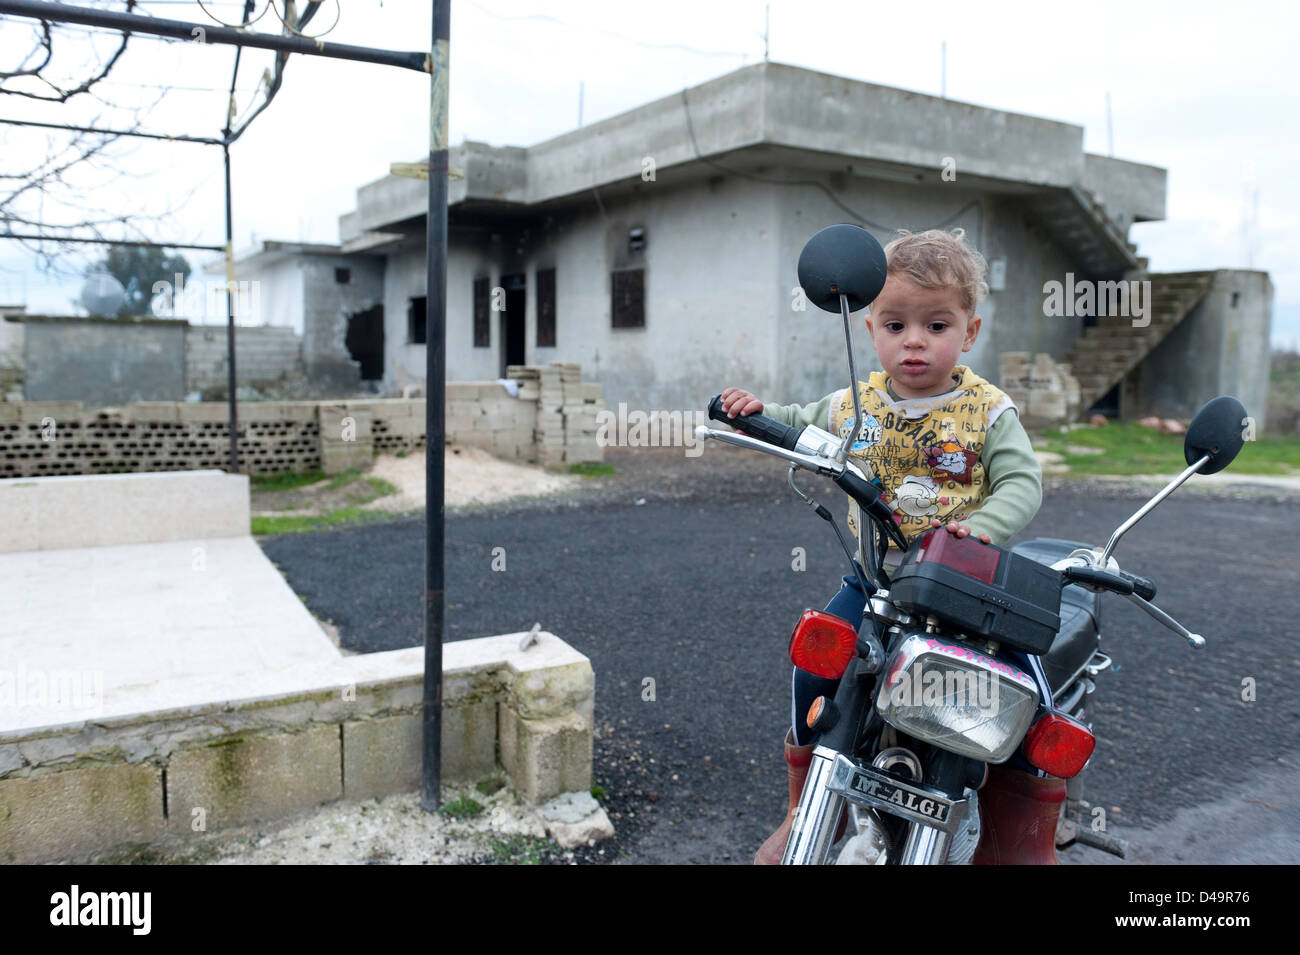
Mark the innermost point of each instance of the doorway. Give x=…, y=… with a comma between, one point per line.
x=365, y=341
x=513, y=320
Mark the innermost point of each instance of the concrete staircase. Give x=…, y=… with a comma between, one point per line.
x=1107, y=351
x=1076, y=220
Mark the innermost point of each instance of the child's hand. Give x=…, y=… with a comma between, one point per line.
x=735, y=401
x=960, y=530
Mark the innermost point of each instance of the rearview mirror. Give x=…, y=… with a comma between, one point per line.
x=842, y=260
x=1217, y=430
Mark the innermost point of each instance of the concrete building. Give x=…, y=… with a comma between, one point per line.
x=658, y=249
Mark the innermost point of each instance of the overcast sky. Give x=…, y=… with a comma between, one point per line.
x=1208, y=91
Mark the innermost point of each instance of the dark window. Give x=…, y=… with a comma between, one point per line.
x=342, y=276
x=417, y=320
x=546, y=308
x=629, y=298
x=482, y=323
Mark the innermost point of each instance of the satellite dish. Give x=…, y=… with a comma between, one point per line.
x=102, y=295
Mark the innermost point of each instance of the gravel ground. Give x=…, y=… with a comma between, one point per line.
x=681, y=571
x=471, y=828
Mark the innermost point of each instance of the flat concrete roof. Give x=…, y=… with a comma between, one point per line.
x=769, y=113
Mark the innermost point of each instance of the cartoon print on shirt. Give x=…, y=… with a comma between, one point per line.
x=867, y=435
x=918, y=497
x=950, y=461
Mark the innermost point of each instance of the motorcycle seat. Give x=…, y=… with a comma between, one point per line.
x=1078, y=637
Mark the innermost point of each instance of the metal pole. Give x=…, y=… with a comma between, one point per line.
x=210, y=33
x=435, y=398
x=230, y=322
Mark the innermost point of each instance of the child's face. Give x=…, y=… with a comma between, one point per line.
x=919, y=335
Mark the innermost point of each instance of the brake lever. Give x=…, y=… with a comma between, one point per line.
x=1195, y=640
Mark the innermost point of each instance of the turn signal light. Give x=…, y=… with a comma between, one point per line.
x=1059, y=745
x=823, y=644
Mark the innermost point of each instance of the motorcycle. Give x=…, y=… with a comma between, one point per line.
x=959, y=729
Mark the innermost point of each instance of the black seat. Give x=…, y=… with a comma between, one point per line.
x=1077, y=639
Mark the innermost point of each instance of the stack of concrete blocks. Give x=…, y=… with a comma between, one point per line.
x=550, y=415
x=1045, y=392
x=582, y=403
x=346, y=440
x=566, y=411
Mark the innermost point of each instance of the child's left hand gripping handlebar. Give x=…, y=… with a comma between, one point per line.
x=757, y=426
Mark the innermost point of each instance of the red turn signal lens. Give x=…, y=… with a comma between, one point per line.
x=823, y=644
x=1059, y=745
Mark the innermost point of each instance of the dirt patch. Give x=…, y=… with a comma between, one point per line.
x=396, y=485
x=471, y=476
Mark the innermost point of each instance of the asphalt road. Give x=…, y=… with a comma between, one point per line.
x=695, y=590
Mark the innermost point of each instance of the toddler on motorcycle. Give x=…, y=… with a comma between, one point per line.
x=935, y=437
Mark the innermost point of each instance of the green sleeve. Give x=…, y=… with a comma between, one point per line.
x=800, y=416
x=1015, y=481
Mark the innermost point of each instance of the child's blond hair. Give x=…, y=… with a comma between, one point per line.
x=937, y=259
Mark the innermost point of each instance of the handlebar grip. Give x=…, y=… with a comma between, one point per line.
x=1144, y=587
x=1098, y=578
x=757, y=426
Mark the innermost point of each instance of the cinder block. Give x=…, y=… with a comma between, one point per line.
x=33, y=412
x=406, y=426
x=79, y=811
x=244, y=779
x=154, y=411
x=200, y=411
x=337, y=458
x=545, y=757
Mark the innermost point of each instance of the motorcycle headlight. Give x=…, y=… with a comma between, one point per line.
x=957, y=698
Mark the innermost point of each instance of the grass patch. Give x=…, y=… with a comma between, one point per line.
x=591, y=468
x=1130, y=448
x=381, y=487
x=339, y=480
x=285, y=481
x=462, y=808
x=521, y=850
x=300, y=524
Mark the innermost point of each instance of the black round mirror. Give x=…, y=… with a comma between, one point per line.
x=842, y=259
x=1217, y=430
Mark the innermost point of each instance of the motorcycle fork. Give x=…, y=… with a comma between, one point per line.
x=818, y=817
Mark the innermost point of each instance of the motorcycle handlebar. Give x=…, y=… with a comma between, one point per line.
x=757, y=426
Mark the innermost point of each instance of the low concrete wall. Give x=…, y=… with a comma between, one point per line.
x=551, y=420
x=351, y=732
x=107, y=361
